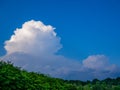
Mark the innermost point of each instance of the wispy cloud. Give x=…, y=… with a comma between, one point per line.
x=34, y=47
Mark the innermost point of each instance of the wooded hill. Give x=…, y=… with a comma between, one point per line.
x=13, y=78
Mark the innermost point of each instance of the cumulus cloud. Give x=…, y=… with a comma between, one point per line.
x=34, y=46
x=34, y=38
x=99, y=65
x=97, y=62
x=94, y=66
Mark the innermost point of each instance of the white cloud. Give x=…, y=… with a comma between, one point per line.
x=96, y=62
x=99, y=65
x=34, y=47
x=95, y=66
x=34, y=38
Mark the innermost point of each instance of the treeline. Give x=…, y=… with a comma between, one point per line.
x=13, y=78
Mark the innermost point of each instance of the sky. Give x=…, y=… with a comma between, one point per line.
x=70, y=39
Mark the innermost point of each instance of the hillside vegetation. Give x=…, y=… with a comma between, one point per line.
x=13, y=78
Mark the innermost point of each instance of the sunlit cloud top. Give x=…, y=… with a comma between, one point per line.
x=34, y=37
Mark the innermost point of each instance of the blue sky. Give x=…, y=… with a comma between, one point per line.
x=86, y=27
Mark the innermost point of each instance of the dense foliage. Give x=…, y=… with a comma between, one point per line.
x=13, y=78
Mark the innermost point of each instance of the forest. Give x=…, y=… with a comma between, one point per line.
x=14, y=78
